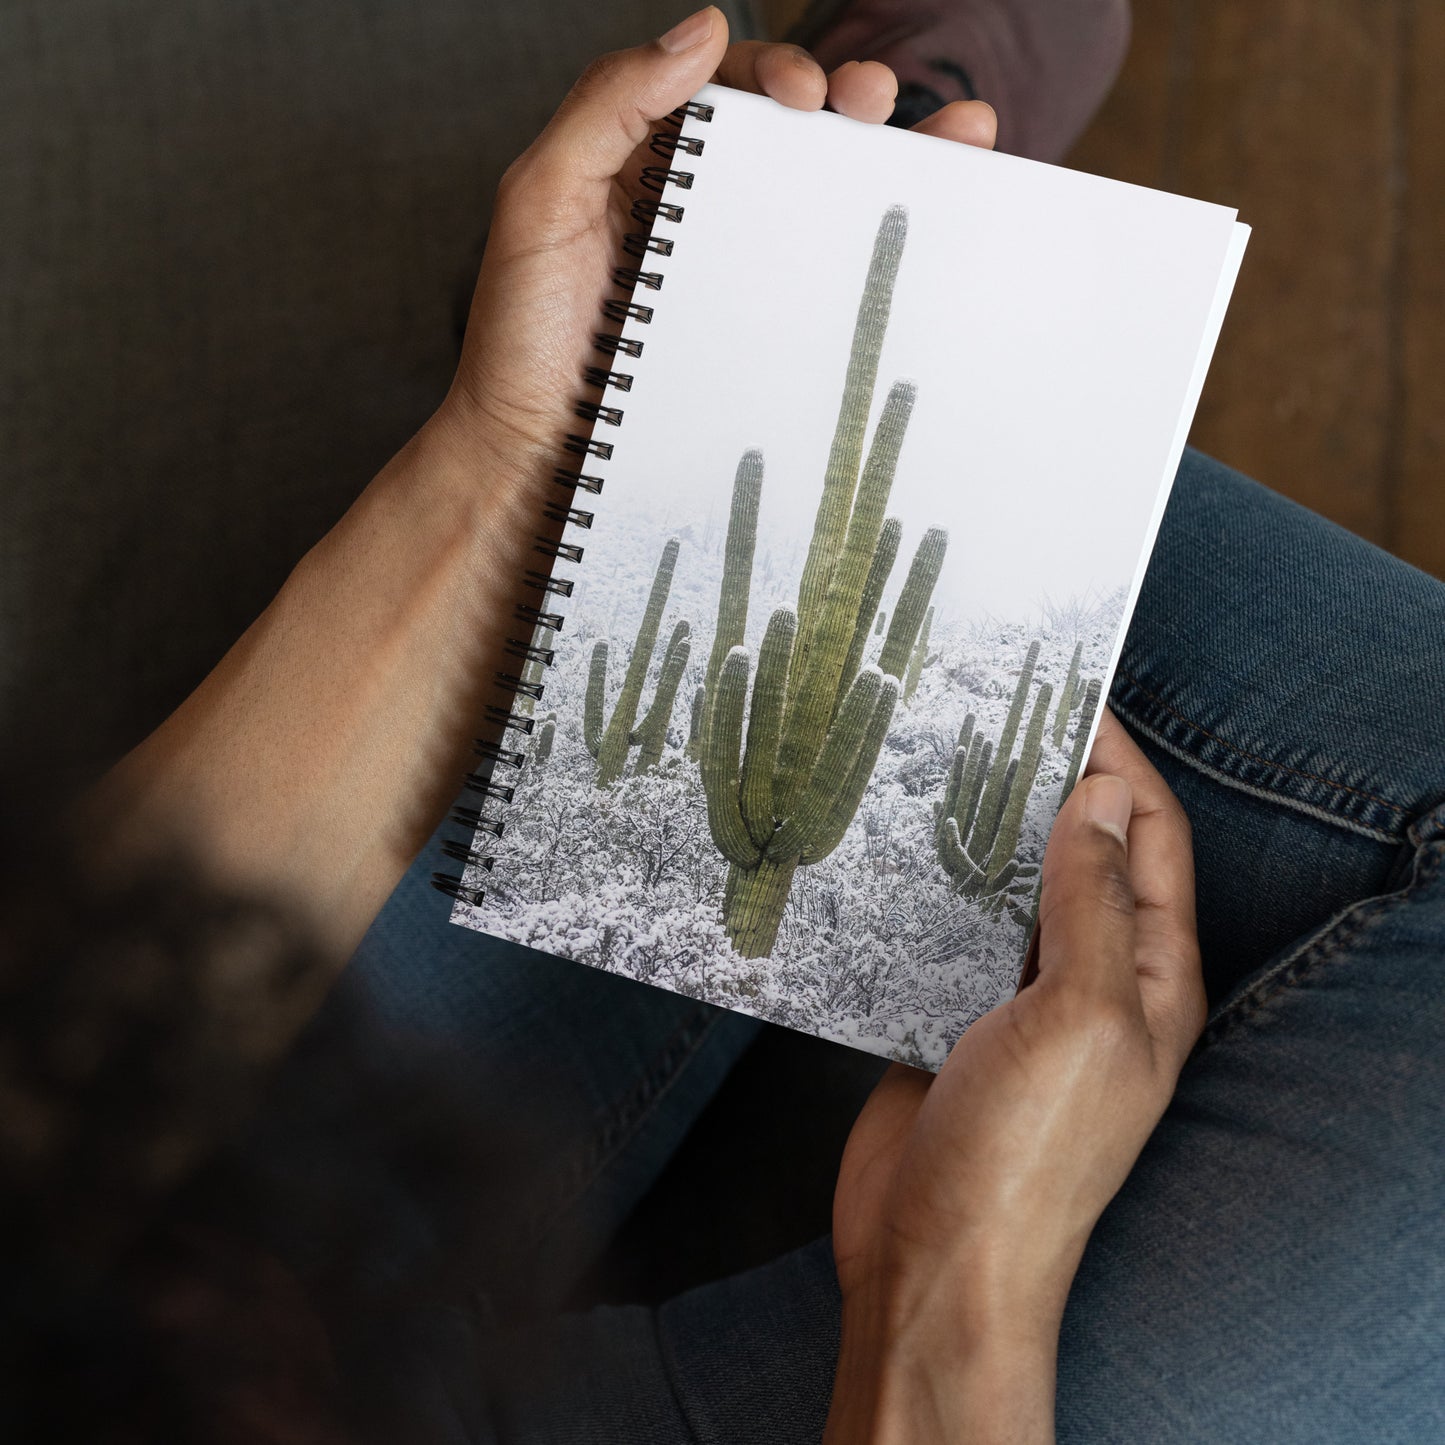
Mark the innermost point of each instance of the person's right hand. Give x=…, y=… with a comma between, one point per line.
x=965, y=1201
x=564, y=207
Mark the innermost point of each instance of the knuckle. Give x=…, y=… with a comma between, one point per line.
x=1102, y=885
x=516, y=178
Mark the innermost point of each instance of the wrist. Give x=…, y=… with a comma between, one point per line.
x=944, y=1379
x=967, y=1352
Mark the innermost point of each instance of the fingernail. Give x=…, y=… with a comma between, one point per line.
x=1108, y=803
x=687, y=33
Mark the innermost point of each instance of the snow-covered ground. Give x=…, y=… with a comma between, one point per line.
x=875, y=948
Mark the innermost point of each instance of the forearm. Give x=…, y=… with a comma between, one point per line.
x=319, y=754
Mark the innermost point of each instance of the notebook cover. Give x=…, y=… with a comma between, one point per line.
x=826, y=739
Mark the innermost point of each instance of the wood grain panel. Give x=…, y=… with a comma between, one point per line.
x=1289, y=111
x=1418, y=478
x=1130, y=138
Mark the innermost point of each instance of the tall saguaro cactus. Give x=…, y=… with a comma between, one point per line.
x=737, y=579
x=610, y=743
x=978, y=848
x=784, y=795
x=1068, y=697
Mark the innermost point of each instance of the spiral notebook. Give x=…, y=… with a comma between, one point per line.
x=864, y=485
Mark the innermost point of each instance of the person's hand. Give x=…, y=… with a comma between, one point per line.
x=563, y=209
x=964, y=1201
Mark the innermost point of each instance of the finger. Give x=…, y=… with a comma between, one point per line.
x=611, y=110
x=863, y=90
x=969, y=122
x=1161, y=869
x=787, y=73
x=1086, y=910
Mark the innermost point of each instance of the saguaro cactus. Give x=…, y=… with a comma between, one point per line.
x=784, y=796
x=611, y=743
x=1081, y=737
x=651, y=733
x=880, y=624
x=919, y=658
x=1068, y=697
x=978, y=849
x=991, y=803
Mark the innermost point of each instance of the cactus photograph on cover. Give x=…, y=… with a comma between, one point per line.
x=783, y=769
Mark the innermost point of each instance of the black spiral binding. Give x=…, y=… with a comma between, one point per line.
x=484, y=783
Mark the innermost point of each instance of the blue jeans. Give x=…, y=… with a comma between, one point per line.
x=1274, y=1268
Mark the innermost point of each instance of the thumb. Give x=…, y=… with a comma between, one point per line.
x=1086, y=912
x=613, y=106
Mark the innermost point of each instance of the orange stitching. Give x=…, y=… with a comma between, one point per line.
x=1254, y=757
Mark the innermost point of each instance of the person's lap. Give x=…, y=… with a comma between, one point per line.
x=1273, y=1267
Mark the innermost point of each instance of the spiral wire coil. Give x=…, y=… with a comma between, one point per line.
x=523, y=690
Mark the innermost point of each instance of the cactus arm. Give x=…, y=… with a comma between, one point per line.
x=719, y=755
x=845, y=802
x=846, y=453
x=765, y=725
x=652, y=734
x=1066, y=697
x=990, y=803
x=965, y=752
x=737, y=578
x=814, y=688
x=832, y=771
x=951, y=790
x=595, y=701
x=884, y=555
x=678, y=641
x=1081, y=737
x=694, y=722
x=919, y=657
x=965, y=733
x=617, y=738
x=1011, y=817
x=973, y=780
x=913, y=602
x=985, y=829
x=967, y=876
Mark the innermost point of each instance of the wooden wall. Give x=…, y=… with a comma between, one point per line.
x=1323, y=121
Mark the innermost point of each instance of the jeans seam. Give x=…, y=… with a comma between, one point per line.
x=1257, y=757
x=1255, y=790
x=1331, y=939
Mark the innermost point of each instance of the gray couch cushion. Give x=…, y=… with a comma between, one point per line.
x=235, y=239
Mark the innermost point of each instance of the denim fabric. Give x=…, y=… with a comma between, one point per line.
x=609, y=1074
x=1274, y=1268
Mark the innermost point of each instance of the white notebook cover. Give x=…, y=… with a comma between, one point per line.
x=1057, y=328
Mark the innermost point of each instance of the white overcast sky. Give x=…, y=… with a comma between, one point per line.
x=1051, y=321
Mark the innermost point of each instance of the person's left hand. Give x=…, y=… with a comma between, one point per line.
x=563, y=209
